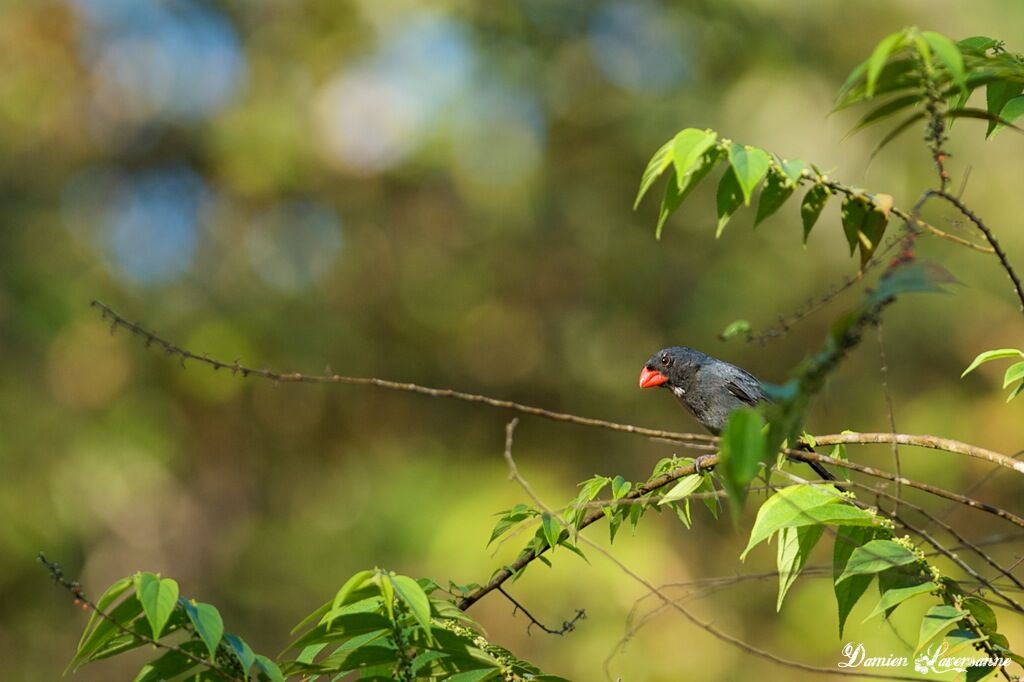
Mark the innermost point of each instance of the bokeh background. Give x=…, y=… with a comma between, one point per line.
x=440, y=192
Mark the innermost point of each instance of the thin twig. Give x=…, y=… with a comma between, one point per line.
x=889, y=409
x=989, y=236
x=75, y=588
x=567, y=626
x=698, y=439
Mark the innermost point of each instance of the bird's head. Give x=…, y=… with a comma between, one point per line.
x=671, y=367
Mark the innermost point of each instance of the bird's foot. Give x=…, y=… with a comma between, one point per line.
x=700, y=465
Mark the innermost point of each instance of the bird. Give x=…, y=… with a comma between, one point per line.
x=709, y=388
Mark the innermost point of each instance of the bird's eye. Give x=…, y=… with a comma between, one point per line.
x=666, y=360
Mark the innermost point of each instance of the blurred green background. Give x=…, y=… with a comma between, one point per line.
x=440, y=192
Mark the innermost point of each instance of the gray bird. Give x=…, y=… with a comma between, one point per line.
x=709, y=388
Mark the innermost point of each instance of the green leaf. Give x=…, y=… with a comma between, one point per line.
x=661, y=160
x=849, y=591
x=474, y=675
x=976, y=673
x=936, y=621
x=105, y=600
x=688, y=147
x=105, y=631
x=990, y=355
x=911, y=277
x=970, y=112
x=894, y=597
x=795, y=545
x=895, y=132
x=268, y=669
x=683, y=487
x=811, y=207
x=241, y=650
x=958, y=640
x=742, y=449
x=802, y=505
x=1011, y=111
x=884, y=111
x=777, y=190
x=1015, y=392
x=735, y=328
x=750, y=165
x=879, y=57
x=387, y=593
x=982, y=613
x=620, y=487
x=979, y=43
x=876, y=556
x=409, y=591
x=158, y=598
x=171, y=664
x=1014, y=372
x=674, y=196
x=997, y=95
x=863, y=225
x=949, y=55
x=351, y=585
x=207, y=622
x=590, y=488
x=551, y=529
x=794, y=170
x=729, y=198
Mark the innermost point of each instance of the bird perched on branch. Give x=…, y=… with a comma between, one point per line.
x=709, y=388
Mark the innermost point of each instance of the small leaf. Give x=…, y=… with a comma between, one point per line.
x=979, y=43
x=936, y=621
x=171, y=665
x=684, y=487
x=620, y=487
x=742, y=448
x=777, y=189
x=1011, y=111
x=410, y=592
x=241, y=650
x=990, y=355
x=879, y=57
x=895, y=132
x=661, y=160
x=268, y=669
x=949, y=54
x=158, y=598
x=894, y=597
x=750, y=165
x=688, y=147
x=795, y=545
x=863, y=225
x=884, y=111
x=735, y=328
x=849, y=591
x=730, y=196
x=811, y=207
x=674, y=196
x=1014, y=372
x=997, y=95
x=105, y=600
x=351, y=585
x=912, y=277
x=1015, y=392
x=207, y=622
x=794, y=170
x=551, y=530
x=876, y=556
x=982, y=613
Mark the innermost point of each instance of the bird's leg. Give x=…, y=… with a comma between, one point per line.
x=699, y=465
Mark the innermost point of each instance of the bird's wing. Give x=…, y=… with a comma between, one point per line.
x=746, y=388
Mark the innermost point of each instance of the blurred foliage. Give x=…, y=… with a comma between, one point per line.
x=436, y=192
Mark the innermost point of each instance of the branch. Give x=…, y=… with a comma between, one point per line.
x=567, y=626
x=704, y=625
x=699, y=440
x=75, y=588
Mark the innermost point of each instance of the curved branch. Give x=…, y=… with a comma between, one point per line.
x=923, y=441
x=699, y=439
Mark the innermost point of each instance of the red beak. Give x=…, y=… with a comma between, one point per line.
x=651, y=377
